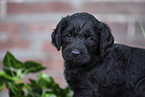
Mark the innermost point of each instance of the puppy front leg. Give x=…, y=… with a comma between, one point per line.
x=87, y=93
x=83, y=93
x=84, y=89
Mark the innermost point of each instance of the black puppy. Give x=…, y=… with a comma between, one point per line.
x=94, y=65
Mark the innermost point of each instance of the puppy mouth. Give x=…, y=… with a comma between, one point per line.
x=76, y=59
x=80, y=60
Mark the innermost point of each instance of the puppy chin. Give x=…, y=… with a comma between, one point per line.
x=77, y=61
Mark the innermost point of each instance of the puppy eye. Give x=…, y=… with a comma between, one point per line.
x=90, y=39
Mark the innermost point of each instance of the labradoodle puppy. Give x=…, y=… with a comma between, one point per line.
x=94, y=65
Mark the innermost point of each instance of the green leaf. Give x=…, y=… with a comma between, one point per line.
x=30, y=66
x=44, y=81
x=9, y=71
x=47, y=83
x=49, y=87
x=11, y=62
x=15, y=90
x=42, y=76
x=10, y=86
x=67, y=92
x=33, y=83
x=43, y=86
x=5, y=77
x=1, y=85
x=35, y=90
x=48, y=95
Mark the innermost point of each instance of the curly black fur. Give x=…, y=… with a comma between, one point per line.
x=94, y=65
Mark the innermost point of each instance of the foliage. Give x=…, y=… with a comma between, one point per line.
x=13, y=73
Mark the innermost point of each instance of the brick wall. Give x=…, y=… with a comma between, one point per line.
x=26, y=27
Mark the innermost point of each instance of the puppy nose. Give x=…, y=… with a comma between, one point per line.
x=75, y=53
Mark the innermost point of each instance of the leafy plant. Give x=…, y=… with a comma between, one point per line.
x=13, y=73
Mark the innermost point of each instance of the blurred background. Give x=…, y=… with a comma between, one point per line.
x=26, y=27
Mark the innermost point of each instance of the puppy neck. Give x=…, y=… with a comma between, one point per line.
x=93, y=62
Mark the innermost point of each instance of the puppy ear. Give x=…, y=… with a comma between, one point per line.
x=56, y=34
x=106, y=39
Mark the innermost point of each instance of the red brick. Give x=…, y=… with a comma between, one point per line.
x=37, y=27
x=115, y=7
x=48, y=47
x=53, y=64
x=119, y=31
x=138, y=43
x=33, y=27
x=0, y=7
x=13, y=43
x=118, y=28
x=51, y=61
x=10, y=28
x=133, y=43
x=58, y=80
x=4, y=89
x=11, y=37
x=14, y=8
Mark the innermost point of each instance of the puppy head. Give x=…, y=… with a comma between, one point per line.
x=82, y=37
